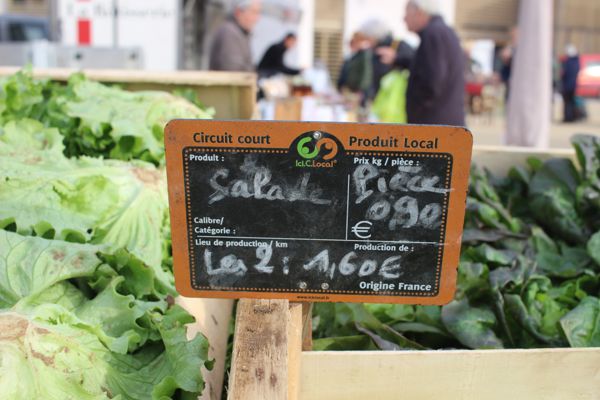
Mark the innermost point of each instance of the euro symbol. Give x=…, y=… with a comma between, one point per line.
x=362, y=229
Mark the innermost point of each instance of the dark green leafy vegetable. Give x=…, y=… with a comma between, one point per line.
x=582, y=324
x=529, y=274
x=472, y=326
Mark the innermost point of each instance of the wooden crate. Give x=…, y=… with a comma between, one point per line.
x=499, y=159
x=232, y=94
x=549, y=374
x=272, y=361
x=268, y=351
x=289, y=109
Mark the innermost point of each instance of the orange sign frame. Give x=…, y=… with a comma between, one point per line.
x=455, y=141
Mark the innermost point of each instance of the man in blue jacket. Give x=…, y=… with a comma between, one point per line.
x=436, y=87
x=570, y=70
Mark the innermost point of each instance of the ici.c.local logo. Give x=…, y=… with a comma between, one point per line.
x=317, y=151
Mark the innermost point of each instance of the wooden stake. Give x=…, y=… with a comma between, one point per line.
x=295, y=349
x=266, y=350
x=307, y=309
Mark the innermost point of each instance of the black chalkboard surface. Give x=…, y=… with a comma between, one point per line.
x=329, y=215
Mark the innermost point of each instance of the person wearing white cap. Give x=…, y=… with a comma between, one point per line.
x=230, y=49
x=436, y=86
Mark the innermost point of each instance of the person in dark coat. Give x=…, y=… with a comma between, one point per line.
x=272, y=61
x=230, y=49
x=436, y=86
x=390, y=54
x=570, y=71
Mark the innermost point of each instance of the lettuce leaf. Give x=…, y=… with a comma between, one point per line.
x=29, y=266
x=51, y=354
x=95, y=119
x=122, y=124
x=70, y=315
x=83, y=200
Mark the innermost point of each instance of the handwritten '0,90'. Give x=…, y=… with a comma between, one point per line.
x=403, y=211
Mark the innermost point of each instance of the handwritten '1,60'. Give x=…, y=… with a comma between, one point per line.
x=404, y=212
x=349, y=264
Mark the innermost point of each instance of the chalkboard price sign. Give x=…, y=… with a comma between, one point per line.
x=317, y=211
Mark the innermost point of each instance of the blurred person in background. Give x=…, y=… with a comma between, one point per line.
x=436, y=86
x=357, y=43
x=379, y=34
x=391, y=54
x=570, y=71
x=507, y=55
x=230, y=49
x=363, y=70
x=391, y=63
x=386, y=52
x=358, y=70
x=272, y=61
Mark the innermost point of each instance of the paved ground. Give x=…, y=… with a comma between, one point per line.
x=489, y=131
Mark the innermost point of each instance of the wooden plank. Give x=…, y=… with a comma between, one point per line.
x=499, y=159
x=549, y=374
x=259, y=367
x=212, y=320
x=295, y=338
x=203, y=78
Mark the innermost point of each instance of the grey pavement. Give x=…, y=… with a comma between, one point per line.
x=489, y=128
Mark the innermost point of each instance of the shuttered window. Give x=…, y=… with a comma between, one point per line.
x=329, y=49
x=329, y=28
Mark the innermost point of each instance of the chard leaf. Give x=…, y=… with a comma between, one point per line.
x=587, y=148
x=418, y=327
x=553, y=200
x=582, y=324
x=474, y=236
x=489, y=255
x=473, y=281
x=372, y=326
x=558, y=260
x=390, y=313
x=357, y=342
x=472, y=326
x=593, y=248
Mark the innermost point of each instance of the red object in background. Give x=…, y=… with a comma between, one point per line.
x=84, y=32
x=588, y=81
x=474, y=88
